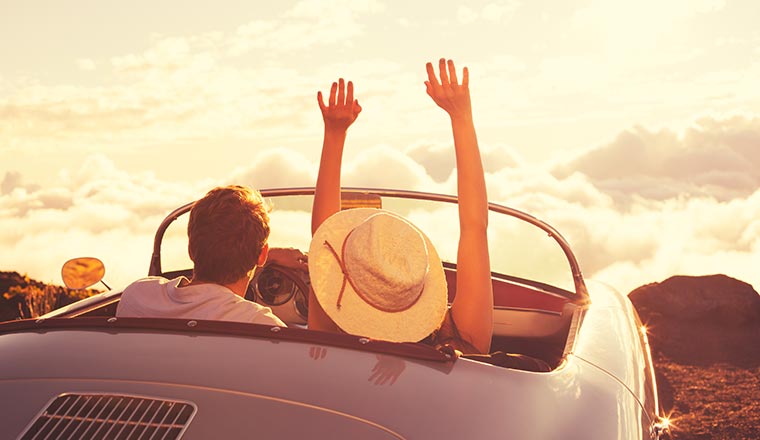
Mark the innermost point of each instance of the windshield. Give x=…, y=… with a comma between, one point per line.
x=517, y=248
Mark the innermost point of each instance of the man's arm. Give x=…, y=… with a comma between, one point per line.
x=472, y=310
x=338, y=114
x=291, y=258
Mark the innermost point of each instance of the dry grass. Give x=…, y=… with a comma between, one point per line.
x=40, y=298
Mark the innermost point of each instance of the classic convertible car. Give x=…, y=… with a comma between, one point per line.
x=80, y=372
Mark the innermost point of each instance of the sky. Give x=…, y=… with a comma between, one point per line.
x=631, y=127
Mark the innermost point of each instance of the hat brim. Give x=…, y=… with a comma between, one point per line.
x=355, y=316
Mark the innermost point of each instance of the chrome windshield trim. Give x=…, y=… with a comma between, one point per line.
x=580, y=285
x=523, y=309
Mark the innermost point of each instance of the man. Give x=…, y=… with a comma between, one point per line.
x=228, y=231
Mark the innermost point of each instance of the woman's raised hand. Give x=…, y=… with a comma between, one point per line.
x=447, y=92
x=342, y=109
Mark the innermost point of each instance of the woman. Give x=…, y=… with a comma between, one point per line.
x=375, y=274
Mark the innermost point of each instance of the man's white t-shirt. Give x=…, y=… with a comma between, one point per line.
x=157, y=297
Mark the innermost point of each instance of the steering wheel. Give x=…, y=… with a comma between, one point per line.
x=283, y=289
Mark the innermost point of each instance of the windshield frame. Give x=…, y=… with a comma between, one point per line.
x=581, y=297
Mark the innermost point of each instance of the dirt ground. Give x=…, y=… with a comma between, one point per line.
x=715, y=402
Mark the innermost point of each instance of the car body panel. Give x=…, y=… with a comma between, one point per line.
x=249, y=380
x=244, y=384
x=613, y=339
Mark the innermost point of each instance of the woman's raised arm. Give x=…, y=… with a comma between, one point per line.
x=472, y=310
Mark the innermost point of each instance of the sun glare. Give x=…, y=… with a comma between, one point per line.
x=668, y=423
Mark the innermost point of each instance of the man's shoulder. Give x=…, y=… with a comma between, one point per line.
x=161, y=297
x=150, y=282
x=253, y=312
x=148, y=287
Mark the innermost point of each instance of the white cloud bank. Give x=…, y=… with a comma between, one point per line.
x=643, y=208
x=715, y=158
x=190, y=88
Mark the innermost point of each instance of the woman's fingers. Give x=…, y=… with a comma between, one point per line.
x=448, y=77
x=321, y=101
x=350, y=93
x=333, y=94
x=442, y=70
x=341, y=92
x=452, y=73
x=432, y=80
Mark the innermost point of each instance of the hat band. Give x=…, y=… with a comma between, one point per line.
x=366, y=298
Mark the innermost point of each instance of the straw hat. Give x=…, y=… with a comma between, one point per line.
x=377, y=275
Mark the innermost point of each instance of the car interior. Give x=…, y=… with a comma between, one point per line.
x=532, y=319
x=529, y=319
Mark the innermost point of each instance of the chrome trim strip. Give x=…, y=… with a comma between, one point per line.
x=616, y=379
x=94, y=306
x=572, y=334
x=521, y=309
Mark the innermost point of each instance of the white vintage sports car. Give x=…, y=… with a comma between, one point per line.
x=81, y=373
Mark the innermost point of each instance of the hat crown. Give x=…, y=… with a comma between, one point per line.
x=386, y=260
x=373, y=316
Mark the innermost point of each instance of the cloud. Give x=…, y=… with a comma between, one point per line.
x=188, y=87
x=697, y=237
x=102, y=210
x=715, y=158
x=386, y=168
x=86, y=64
x=653, y=204
x=339, y=10
x=404, y=22
x=276, y=168
x=439, y=161
x=497, y=11
x=656, y=14
x=646, y=240
x=653, y=61
x=169, y=54
x=95, y=210
x=651, y=240
x=466, y=15
x=308, y=24
x=11, y=180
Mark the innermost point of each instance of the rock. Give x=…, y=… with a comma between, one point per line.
x=702, y=320
x=712, y=299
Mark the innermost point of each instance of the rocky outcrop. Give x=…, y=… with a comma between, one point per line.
x=702, y=320
x=705, y=333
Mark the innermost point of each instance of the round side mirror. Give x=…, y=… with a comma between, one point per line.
x=80, y=273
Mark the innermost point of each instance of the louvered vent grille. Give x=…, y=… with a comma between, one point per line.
x=110, y=417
